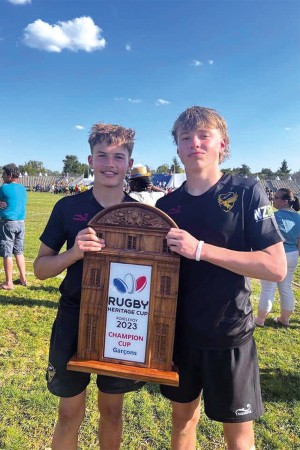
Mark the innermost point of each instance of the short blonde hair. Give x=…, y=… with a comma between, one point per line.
x=111, y=134
x=200, y=117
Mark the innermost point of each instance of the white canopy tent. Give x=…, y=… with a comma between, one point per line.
x=176, y=180
x=87, y=181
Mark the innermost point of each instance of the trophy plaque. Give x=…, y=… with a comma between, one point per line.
x=129, y=297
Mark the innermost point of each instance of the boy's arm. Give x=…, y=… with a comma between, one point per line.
x=50, y=263
x=267, y=264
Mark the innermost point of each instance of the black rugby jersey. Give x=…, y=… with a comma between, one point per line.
x=69, y=216
x=214, y=309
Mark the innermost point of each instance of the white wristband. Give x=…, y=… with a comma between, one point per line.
x=198, y=251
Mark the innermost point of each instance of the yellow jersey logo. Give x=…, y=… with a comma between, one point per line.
x=226, y=201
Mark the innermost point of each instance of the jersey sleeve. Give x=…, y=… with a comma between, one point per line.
x=54, y=235
x=260, y=224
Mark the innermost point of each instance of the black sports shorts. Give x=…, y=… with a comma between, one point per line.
x=63, y=345
x=227, y=378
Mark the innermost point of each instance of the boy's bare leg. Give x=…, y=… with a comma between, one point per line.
x=8, y=270
x=70, y=415
x=239, y=436
x=20, y=260
x=185, y=417
x=110, y=424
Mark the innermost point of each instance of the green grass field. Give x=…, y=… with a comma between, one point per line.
x=28, y=411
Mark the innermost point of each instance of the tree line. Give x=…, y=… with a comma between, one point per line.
x=71, y=165
x=243, y=170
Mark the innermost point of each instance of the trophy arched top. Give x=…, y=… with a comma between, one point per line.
x=133, y=215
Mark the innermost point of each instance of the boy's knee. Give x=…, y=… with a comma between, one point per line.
x=70, y=416
x=112, y=413
x=239, y=436
x=183, y=417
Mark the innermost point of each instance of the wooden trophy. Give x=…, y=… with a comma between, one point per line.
x=129, y=296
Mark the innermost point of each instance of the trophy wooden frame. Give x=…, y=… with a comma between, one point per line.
x=129, y=297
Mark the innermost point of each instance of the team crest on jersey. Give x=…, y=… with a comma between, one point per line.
x=226, y=201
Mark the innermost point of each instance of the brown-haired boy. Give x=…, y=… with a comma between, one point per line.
x=111, y=149
x=226, y=234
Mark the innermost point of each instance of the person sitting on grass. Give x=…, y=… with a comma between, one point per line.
x=111, y=148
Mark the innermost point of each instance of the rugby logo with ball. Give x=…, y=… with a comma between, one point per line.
x=130, y=285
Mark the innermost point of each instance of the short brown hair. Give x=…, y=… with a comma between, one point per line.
x=198, y=117
x=111, y=134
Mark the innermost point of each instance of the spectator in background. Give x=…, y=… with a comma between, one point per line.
x=271, y=197
x=289, y=224
x=13, y=200
x=141, y=188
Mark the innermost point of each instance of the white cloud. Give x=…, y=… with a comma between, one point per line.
x=210, y=61
x=128, y=47
x=161, y=102
x=197, y=63
x=134, y=100
x=78, y=127
x=287, y=129
x=77, y=34
x=19, y=2
x=131, y=100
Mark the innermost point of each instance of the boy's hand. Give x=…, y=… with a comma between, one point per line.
x=87, y=241
x=3, y=204
x=182, y=242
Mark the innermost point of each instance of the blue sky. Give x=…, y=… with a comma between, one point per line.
x=68, y=64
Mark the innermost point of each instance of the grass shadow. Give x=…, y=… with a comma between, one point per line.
x=152, y=388
x=294, y=324
x=17, y=301
x=279, y=385
x=43, y=288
